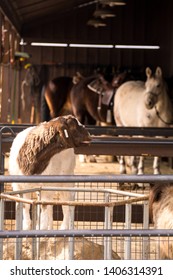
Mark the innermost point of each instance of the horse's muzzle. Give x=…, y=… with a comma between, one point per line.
x=150, y=101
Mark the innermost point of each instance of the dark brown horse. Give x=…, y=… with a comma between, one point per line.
x=92, y=97
x=55, y=98
x=89, y=99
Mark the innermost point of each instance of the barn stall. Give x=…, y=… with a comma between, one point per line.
x=99, y=232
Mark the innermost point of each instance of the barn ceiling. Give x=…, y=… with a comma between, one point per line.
x=23, y=12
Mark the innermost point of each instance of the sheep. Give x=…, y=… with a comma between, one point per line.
x=47, y=149
x=161, y=213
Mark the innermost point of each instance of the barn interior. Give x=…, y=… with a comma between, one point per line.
x=134, y=35
x=45, y=39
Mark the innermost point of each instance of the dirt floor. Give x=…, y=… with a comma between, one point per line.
x=104, y=165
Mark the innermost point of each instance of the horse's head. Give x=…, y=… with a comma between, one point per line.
x=77, y=78
x=118, y=79
x=153, y=87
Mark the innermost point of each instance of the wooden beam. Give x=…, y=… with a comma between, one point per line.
x=9, y=11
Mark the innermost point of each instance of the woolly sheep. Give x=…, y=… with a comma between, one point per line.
x=47, y=149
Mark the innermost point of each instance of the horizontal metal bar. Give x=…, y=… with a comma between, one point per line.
x=131, y=131
x=112, y=130
x=117, y=147
x=87, y=178
x=111, y=143
x=128, y=147
x=75, y=203
x=97, y=190
x=131, y=140
x=86, y=233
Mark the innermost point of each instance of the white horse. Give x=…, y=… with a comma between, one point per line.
x=47, y=149
x=143, y=104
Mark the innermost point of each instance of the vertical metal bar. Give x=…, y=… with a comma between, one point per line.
x=38, y=221
x=34, y=239
x=1, y=226
x=109, y=241
x=19, y=216
x=71, y=239
x=1, y=163
x=145, y=243
x=108, y=225
x=38, y=210
x=128, y=215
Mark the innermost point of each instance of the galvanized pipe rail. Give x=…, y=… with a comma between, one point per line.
x=117, y=146
x=86, y=233
x=128, y=146
x=108, y=141
x=147, y=178
x=130, y=131
x=105, y=130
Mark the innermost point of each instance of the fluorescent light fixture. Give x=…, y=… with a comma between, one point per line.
x=96, y=22
x=22, y=42
x=101, y=46
x=103, y=13
x=90, y=46
x=112, y=3
x=40, y=44
x=143, y=47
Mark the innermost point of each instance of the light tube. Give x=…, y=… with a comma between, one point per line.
x=39, y=44
x=90, y=46
x=137, y=47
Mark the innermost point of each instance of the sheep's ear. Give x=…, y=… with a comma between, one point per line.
x=158, y=72
x=148, y=72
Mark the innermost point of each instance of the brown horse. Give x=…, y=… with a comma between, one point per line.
x=89, y=99
x=55, y=98
x=92, y=97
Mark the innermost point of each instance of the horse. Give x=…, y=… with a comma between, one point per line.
x=161, y=214
x=143, y=104
x=92, y=97
x=92, y=101
x=55, y=98
x=87, y=98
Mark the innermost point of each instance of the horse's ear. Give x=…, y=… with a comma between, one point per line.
x=148, y=72
x=158, y=72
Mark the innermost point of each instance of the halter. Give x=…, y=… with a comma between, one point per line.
x=160, y=118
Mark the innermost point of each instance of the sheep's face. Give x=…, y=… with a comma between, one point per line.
x=72, y=130
x=48, y=139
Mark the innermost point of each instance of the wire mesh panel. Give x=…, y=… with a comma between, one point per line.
x=97, y=208
x=105, y=221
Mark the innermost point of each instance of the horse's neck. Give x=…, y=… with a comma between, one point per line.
x=164, y=106
x=164, y=101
